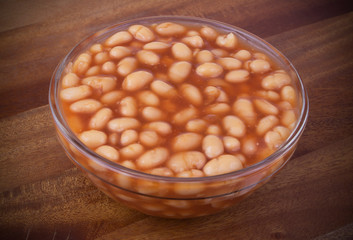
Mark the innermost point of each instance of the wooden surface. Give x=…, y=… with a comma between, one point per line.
x=43, y=196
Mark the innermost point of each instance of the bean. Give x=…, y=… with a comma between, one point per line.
x=152, y=114
x=191, y=94
x=112, y=97
x=179, y=71
x=113, y=139
x=218, y=109
x=273, y=139
x=214, y=129
x=118, y=38
x=148, y=98
x=242, y=55
x=101, y=58
x=288, y=94
x=108, y=152
x=92, y=71
x=126, y=66
x=193, y=41
x=223, y=97
x=75, y=93
x=137, y=80
x=188, y=189
x=223, y=164
x=204, y=56
x=153, y=158
x=162, y=128
x=260, y=66
x=192, y=33
x=265, y=124
x=181, y=52
x=70, y=80
x=260, y=56
x=119, y=52
x=183, y=116
x=220, y=83
x=245, y=110
x=96, y=48
x=149, y=138
x=234, y=126
x=156, y=46
x=282, y=131
x=249, y=145
x=102, y=84
x=169, y=29
x=85, y=106
x=163, y=89
x=141, y=33
x=161, y=171
x=211, y=94
x=128, y=107
x=269, y=95
x=186, y=141
x=237, y=76
x=93, y=138
x=82, y=63
x=228, y=41
x=100, y=119
x=229, y=63
x=128, y=137
x=128, y=164
x=123, y=123
x=196, y=125
x=275, y=81
x=265, y=107
x=148, y=57
x=284, y=105
x=191, y=173
x=185, y=161
x=212, y=146
x=288, y=118
x=218, y=52
x=132, y=151
x=209, y=33
x=231, y=144
x=209, y=70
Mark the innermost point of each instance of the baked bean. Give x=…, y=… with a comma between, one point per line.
x=273, y=139
x=85, y=106
x=118, y=38
x=228, y=41
x=282, y=131
x=260, y=56
x=82, y=63
x=209, y=70
x=156, y=46
x=109, y=67
x=185, y=115
x=181, y=52
x=275, y=81
x=102, y=84
x=179, y=71
x=123, y=123
x=186, y=141
x=284, y=105
x=75, y=93
x=229, y=63
x=148, y=57
x=137, y=80
x=249, y=145
x=234, y=126
x=265, y=124
x=220, y=83
x=70, y=80
x=112, y=97
x=149, y=138
x=265, y=107
x=237, y=76
x=191, y=173
x=152, y=114
x=132, y=151
x=128, y=164
x=113, y=139
x=162, y=171
x=191, y=94
x=288, y=118
x=163, y=89
x=93, y=138
x=96, y=48
x=211, y=94
x=169, y=29
x=231, y=144
x=223, y=97
x=245, y=110
x=192, y=33
x=212, y=146
x=260, y=66
x=119, y=52
x=92, y=71
x=209, y=33
x=162, y=128
x=204, y=56
x=148, y=98
x=218, y=109
x=100, y=119
x=222, y=164
x=196, y=125
x=242, y=55
x=108, y=152
x=288, y=94
x=185, y=161
x=218, y=52
x=193, y=41
x=101, y=58
x=141, y=33
x=214, y=129
x=269, y=95
x=128, y=137
x=153, y=158
x=128, y=107
x=126, y=66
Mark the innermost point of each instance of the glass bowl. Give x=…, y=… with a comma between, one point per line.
x=173, y=197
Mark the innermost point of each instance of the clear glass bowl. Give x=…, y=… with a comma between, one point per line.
x=173, y=197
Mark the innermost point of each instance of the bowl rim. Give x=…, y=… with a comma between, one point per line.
x=62, y=126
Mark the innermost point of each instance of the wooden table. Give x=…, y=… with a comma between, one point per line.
x=43, y=196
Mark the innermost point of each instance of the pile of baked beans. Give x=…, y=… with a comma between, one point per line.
x=178, y=101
